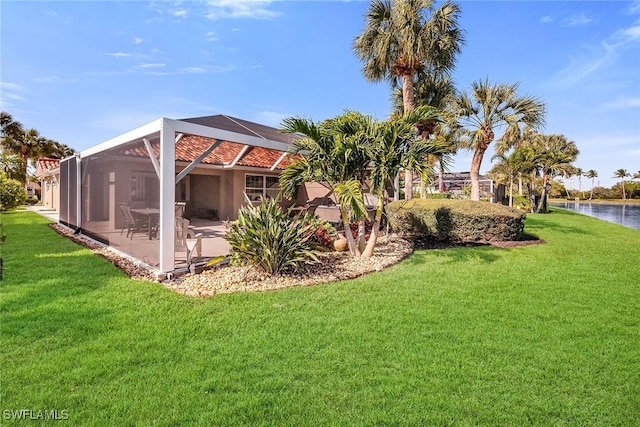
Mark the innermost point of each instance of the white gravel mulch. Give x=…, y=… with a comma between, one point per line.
x=333, y=266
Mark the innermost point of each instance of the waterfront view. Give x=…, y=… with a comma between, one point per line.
x=626, y=214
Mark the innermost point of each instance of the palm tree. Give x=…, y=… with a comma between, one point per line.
x=393, y=146
x=436, y=90
x=333, y=152
x=555, y=153
x=579, y=173
x=11, y=166
x=28, y=145
x=592, y=174
x=489, y=107
x=515, y=164
x=404, y=38
x=622, y=174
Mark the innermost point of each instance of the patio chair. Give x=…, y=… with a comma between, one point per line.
x=187, y=240
x=180, y=208
x=130, y=222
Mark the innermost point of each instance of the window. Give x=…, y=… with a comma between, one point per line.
x=261, y=185
x=144, y=186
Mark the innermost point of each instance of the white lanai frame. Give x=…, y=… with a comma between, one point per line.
x=168, y=129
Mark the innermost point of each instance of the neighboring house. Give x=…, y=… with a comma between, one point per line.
x=48, y=173
x=212, y=163
x=457, y=182
x=33, y=188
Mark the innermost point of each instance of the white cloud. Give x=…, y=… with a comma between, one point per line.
x=193, y=70
x=577, y=19
x=138, y=40
x=634, y=8
x=271, y=118
x=546, y=19
x=579, y=68
x=10, y=92
x=254, y=9
x=632, y=33
x=11, y=86
x=180, y=13
x=624, y=103
x=118, y=54
x=14, y=97
x=211, y=36
x=151, y=65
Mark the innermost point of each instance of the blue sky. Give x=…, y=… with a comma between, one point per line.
x=82, y=72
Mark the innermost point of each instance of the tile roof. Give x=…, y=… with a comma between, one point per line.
x=189, y=147
x=45, y=165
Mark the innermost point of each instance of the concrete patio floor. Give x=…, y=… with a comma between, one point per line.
x=213, y=242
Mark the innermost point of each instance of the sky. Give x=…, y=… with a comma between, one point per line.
x=83, y=72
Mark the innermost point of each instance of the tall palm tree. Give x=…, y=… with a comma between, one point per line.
x=11, y=166
x=28, y=145
x=622, y=174
x=592, y=174
x=436, y=90
x=489, y=107
x=579, y=173
x=404, y=38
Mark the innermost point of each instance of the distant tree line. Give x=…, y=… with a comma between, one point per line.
x=21, y=147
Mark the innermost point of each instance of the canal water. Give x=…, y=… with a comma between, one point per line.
x=621, y=213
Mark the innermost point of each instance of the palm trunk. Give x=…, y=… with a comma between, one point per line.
x=519, y=183
x=361, y=235
x=591, y=193
x=353, y=247
x=532, y=195
x=371, y=243
x=476, y=162
x=542, y=204
x=441, y=177
x=510, y=192
x=25, y=159
x=408, y=105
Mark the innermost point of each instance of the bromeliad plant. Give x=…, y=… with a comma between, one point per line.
x=264, y=236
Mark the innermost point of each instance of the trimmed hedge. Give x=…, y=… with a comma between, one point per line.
x=461, y=221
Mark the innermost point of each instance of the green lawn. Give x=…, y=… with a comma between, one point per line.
x=537, y=335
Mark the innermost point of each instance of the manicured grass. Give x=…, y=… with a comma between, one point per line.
x=537, y=335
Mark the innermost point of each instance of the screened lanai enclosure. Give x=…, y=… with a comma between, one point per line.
x=162, y=193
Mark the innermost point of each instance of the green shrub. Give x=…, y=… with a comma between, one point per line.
x=520, y=202
x=456, y=220
x=12, y=193
x=265, y=237
x=32, y=200
x=439, y=196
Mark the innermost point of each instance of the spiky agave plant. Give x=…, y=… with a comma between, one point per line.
x=265, y=237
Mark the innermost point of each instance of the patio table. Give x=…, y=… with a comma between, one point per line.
x=151, y=214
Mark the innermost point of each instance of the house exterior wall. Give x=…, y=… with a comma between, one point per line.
x=315, y=191
x=50, y=192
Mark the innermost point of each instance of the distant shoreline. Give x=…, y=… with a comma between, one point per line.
x=600, y=201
